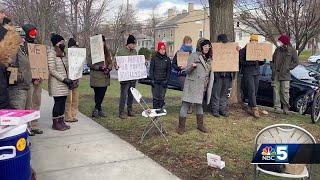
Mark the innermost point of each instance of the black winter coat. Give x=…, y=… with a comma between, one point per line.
x=248, y=67
x=4, y=94
x=160, y=68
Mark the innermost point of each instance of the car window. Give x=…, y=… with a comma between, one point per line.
x=302, y=73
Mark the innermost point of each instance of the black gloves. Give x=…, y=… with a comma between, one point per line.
x=67, y=81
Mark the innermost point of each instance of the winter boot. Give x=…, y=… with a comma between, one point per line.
x=56, y=125
x=285, y=110
x=200, y=125
x=61, y=120
x=95, y=113
x=182, y=125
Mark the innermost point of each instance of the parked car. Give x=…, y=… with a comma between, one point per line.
x=86, y=69
x=314, y=59
x=301, y=86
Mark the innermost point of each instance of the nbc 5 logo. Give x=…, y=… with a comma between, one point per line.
x=282, y=153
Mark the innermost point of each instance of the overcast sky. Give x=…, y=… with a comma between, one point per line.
x=144, y=7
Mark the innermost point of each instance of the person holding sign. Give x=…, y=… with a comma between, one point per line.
x=100, y=79
x=160, y=69
x=222, y=82
x=73, y=97
x=59, y=83
x=125, y=94
x=198, y=69
x=18, y=92
x=285, y=58
x=251, y=71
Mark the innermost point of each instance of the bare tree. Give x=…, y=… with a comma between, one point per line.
x=299, y=19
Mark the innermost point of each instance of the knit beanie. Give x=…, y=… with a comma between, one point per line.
x=56, y=38
x=284, y=39
x=72, y=42
x=223, y=38
x=254, y=37
x=131, y=40
x=161, y=45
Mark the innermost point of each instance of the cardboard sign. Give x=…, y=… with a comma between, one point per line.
x=38, y=61
x=182, y=58
x=96, y=46
x=13, y=75
x=17, y=117
x=259, y=52
x=225, y=57
x=131, y=67
x=76, y=60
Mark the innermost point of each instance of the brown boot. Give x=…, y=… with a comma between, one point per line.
x=255, y=112
x=33, y=174
x=200, y=123
x=182, y=125
x=56, y=125
x=61, y=120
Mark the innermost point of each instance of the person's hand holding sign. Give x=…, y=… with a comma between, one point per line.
x=194, y=65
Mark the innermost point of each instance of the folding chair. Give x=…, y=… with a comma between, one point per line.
x=149, y=113
x=283, y=134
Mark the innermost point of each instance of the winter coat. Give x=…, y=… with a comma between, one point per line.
x=160, y=68
x=197, y=79
x=248, y=67
x=21, y=61
x=126, y=52
x=97, y=77
x=4, y=94
x=58, y=67
x=284, y=59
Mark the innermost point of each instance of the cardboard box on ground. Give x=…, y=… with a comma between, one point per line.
x=259, y=51
x=225, y=57
x=38, y=61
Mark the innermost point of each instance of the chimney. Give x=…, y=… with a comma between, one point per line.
x=190, y=7
x=170, y=13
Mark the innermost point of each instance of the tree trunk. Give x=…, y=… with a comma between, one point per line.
x=221, y=21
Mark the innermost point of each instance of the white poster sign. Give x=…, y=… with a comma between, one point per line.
x=131, y=67
x=96, y=46
x=76, y=60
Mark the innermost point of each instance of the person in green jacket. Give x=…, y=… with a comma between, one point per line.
x=125, y=95
x=100, y=80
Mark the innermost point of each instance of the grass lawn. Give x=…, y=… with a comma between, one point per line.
x=232, y=138
x=305, y=55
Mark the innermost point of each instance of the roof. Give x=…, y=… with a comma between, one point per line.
x=171, y=21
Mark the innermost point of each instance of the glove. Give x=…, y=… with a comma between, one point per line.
x=67, y=81
x=102, y=68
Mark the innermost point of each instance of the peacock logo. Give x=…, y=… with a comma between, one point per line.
x=268, y=151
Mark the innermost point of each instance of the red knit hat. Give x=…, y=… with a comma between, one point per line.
x=284, y=39
x=161, y=45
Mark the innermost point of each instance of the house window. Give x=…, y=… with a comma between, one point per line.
x=142, y=43
x=164, y=34
x=171, y=33
x=139, y=43
x=171, y=49
x=147, y=43
x=200, y=34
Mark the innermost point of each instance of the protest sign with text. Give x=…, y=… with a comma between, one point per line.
x=76, y=60
x=225, y=57
x=38, y=61
x=97, y=51
x=131, y=67
x=182, y=58
x=259, y=52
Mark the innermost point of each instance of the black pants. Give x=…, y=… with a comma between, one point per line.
x=59, y=106
x=251, y=86
x=99, y=93
x=219, y=93
x=159, y=90
x=126, y=96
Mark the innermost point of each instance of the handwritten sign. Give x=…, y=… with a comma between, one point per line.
x=96, y=46
x=259, y=52
x=13, y=74
x=131, y=67
x=182, y=58
x=38, y=61
x=225, y=57
x=76, y=60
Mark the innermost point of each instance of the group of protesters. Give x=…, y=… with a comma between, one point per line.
x=195, y=77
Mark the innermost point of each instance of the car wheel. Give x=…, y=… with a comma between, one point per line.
x=300, y=104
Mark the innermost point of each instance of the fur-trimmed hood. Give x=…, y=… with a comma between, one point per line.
x=9, y=44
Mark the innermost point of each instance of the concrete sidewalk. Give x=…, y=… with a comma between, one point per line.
x=88, y=151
